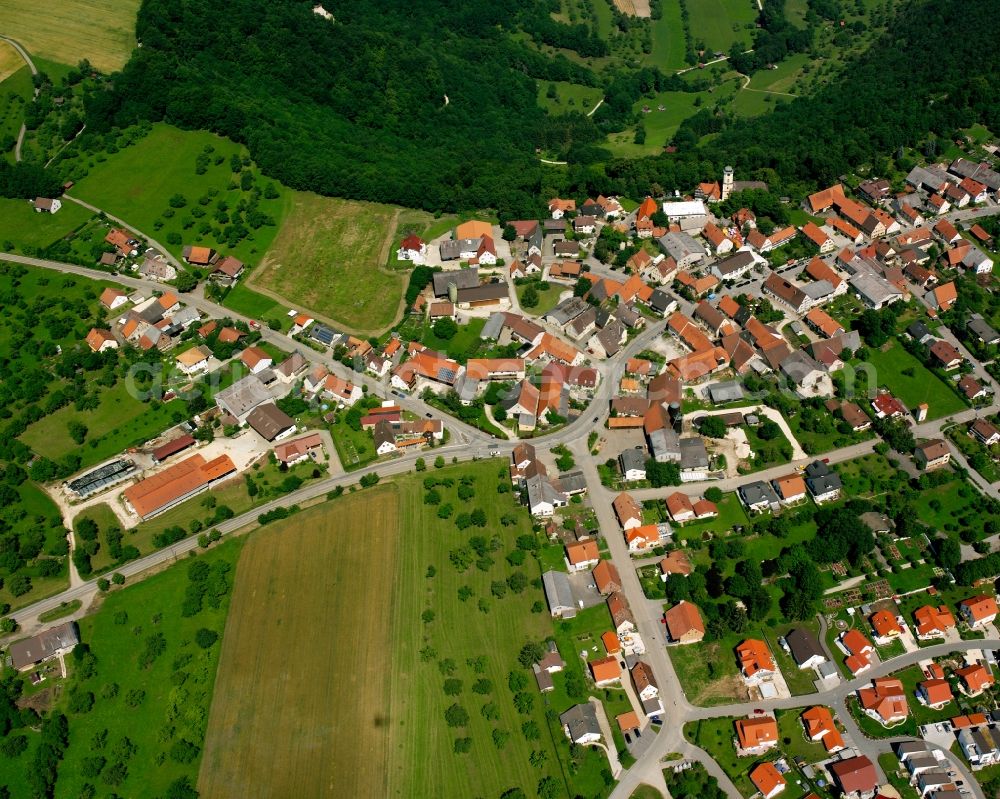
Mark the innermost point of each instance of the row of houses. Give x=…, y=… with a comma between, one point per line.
x=817, y=481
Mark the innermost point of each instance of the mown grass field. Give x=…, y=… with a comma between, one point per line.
x=331, y=680
x=720, y=23
x=668, y=38
x=102, y=31
x=136, y=184
x=329, y=259
x=10, y=61
x=912, y=382
x=15, y=92
x=22, y=226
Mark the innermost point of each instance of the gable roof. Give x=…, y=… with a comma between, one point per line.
x=682, y=618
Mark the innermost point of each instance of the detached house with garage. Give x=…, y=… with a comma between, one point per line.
x=977, y=611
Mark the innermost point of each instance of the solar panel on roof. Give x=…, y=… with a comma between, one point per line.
x=447, y=375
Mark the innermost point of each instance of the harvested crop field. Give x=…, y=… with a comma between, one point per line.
x=102, y=31
x=299, y=705
x=329, y=259
x=10, y=61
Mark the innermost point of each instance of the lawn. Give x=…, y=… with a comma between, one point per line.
x=136, y=184
x=952, y=507
x=731, y=514
x=101, y=31
x=897, y=775
x=152, y=706
x=548, y=298
x=717, y=736
x=15, y=92
x=370, y=690
x=118, y=422
x=569, y=96
x=720, y=23
x=912, y=382
x=248, y=302
x=708, y=672
x=329, y=258
x=668, y=38
x=21, y=227
x=790, y=726
x=979, y=457
x=660, y=126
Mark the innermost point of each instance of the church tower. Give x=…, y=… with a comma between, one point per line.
x=727, y=182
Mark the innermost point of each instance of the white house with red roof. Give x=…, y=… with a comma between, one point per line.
x=413, y=249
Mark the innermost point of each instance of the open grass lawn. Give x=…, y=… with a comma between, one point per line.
x=136, y=183
x=569, y=96
x=912, y=382
x=790, y=726
x=668, y=38
x=368, y=688
x=548, y=298
x=248, y=302
x=731, y=514
x=897, y=775
x=119, y=421
x=462, y=345
x=329, y=259
x=717, y=737
x=816, y=443
x=15, y=92
x=781, y=79
x=21, y=226
x=720, y=23
x=170, y=708
x=867, y=476
x=646, y=792
x=102, y=31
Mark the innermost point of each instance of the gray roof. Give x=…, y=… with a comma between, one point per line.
x=727, y=391
x=487, y=291
x=568, y=310
x=578, y=326
x=665, y=444
x=659, y=300
x=926, y=177
x=980, y=172
x=681, y=246
x=269, y=420
x=453, y=248
x=543, y=678
x=494, y=326
x=461, y=278
x=818, y=289
x=804, y=645
x=978, y=327
x=558, y=592
x=634, y=458
x=611, y=337
x=734, y=263
x=824, y=484
x=974, y=256
x=242, y=396
x=581, y=720
x=873, y=288
x=43, y=645
x=760, y=491
x=918, y=331
x=911, y=748
x=185, y=316
x=798, y=366
x=541, y=490
x=572, y=482
x=693, y=454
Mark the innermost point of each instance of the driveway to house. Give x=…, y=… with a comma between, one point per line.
x=771, y=413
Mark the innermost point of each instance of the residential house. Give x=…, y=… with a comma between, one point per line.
x=194, y=360
x=754, y=736
x=975, y=679
x=933, y=622
x=932, y=454
x=787, y=293
x=48, y=205
x=199, y=256
x=941, y=298
x=684, y=623
x=884, y=700
x=758, y=496
x=298, y=450
x=580, y=724
x=855, y=776
x=985, y=432
x=582, y=555
x=113, y=298
x=858, y=648
x=756, y=661
x=946, y=355
x=605, y=671
x=934, y=693
x=886, y=626
x=628, y=511
x=645, y=536
x=413, y=249
x=270, y=422
x=823, y=483
x=675, y=562
x=978, y=611
x=228, y=270
x=767, y=780
x=633, y=464
x=819, y=724
x=981, y=746
x=606, y=578
x=100, y=340
x=719, y=242
x=817, y=236
x=558, y=208
x=790, y=489
x=804, y=648
x=256, y=360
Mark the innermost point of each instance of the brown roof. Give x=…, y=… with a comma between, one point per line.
x=109, y=295
x=766, y=778
x=676, y=562
x=682, y=619
x=855, y=774
x=96, y=338
x=606, y=577
x=254, y=355
x=174, y=482
x=933, y=449
x=626, y=507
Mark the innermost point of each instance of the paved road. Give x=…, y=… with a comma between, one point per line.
x=34, y=71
